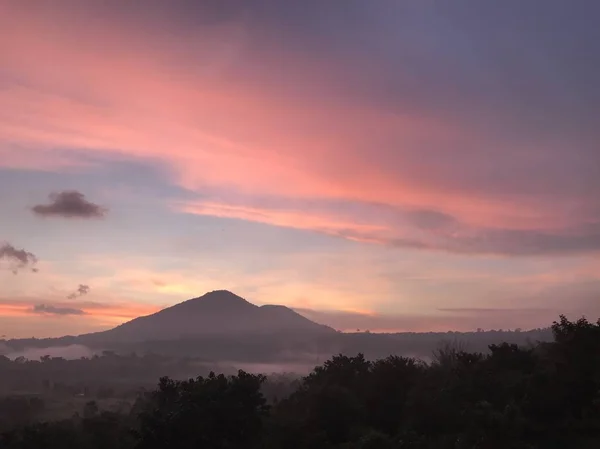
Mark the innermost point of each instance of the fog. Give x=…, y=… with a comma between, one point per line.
x=69, y=352
x=263, y=368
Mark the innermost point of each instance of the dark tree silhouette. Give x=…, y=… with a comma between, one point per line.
x=543, y=396
x=213, y=412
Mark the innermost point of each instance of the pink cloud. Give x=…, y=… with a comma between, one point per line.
x=401, y=227
x=122, y=91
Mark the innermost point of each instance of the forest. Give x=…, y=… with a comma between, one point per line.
x=538, y=396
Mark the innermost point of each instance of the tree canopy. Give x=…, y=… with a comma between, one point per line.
x=511, y=397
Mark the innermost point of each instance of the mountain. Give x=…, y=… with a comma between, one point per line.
x=218, y=313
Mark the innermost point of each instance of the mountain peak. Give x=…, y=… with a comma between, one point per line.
x=219, y=312
x=225, y=295
x=218, y=299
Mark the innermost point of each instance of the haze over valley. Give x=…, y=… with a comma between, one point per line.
x=223, y=329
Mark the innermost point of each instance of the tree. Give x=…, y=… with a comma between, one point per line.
x=90, y=409
x=215, y=412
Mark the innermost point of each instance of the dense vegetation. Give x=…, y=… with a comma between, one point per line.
x=537, y=397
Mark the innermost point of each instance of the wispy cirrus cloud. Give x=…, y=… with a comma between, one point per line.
x=69, y=204
x=406, y=228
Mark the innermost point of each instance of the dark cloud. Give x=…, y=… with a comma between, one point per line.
x=532, y=242
x=46, y=309
x=463, y=239
x=17, y=259
x=69, y=204
x=81, y=291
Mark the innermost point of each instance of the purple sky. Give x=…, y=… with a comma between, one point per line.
x=389, y=165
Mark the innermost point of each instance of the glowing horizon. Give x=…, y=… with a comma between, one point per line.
x=397, y=159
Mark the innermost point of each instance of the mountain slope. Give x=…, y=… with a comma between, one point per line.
x=216, y=313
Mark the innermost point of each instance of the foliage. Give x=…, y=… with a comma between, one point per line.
x=544, y=396
x=213, y=412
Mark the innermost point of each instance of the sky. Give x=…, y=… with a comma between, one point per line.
x=384, y=165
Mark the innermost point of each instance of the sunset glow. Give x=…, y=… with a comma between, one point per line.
x=400, y=166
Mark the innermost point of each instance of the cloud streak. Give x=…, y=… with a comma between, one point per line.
x=69, y=204
x=48, y=309
x=114, y=313
x=405, y=227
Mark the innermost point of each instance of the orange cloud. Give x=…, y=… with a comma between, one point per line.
x=90, y=310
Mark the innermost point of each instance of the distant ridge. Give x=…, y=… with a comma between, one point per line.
x=216, y=313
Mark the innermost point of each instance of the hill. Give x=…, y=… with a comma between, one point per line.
x=223, y=327
x=217, y=313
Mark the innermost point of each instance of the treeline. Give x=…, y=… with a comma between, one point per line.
x=55, y=388
x=539, y=397
x=290, y=347
x=106, y=374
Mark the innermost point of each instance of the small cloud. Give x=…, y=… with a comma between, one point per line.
x=44, y=309
x=81, y=291
x=17, y=259
x=69, y=204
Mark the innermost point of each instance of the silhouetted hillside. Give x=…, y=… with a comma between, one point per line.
x=223, y=327
x=214, y=314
